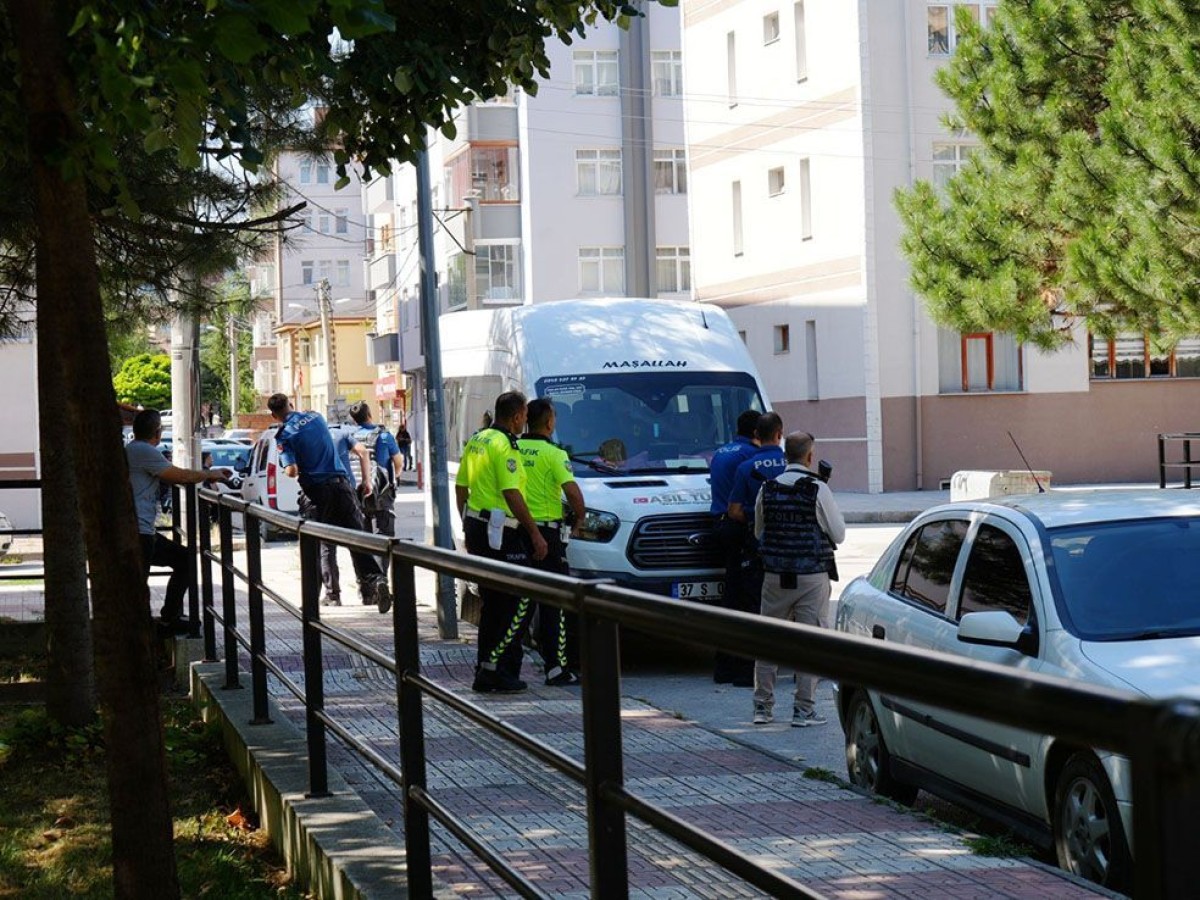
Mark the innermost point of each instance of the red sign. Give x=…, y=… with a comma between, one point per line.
x=386, y=388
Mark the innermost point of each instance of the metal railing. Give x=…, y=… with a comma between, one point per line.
x=1187, y=463
x=1161, y=738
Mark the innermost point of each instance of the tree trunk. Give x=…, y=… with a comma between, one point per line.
x=70, y=687
x=69, y=304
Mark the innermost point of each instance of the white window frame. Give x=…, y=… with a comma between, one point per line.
x=590, y=66
x=771, y=29
x=306, y=272
x=776, y=181
x=324, y=270
x=343, y=273
x=485, y=289
x=324, y=221
x=323, y=170
x=731, y=68
x=666, y=68
x=739, y=245
x=782, y=338
x=806, y=226
x=801, y=31
x=985, y=12
x=602, y=163
x=680, y=259
x=674, y=160
x=948, y=159
x=306, y=171
x=597, y=257
x=341, y=221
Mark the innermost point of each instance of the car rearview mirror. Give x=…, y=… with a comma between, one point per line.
x=996, y=628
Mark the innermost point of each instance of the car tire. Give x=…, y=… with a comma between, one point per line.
x=1089, y=836
x=868, y=762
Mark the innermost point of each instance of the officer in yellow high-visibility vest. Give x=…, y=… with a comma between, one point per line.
x=497, y=525
x=548, y=477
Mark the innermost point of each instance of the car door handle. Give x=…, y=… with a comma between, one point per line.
x=878, y=632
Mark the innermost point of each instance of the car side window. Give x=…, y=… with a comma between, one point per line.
x=261, y=460
x=927, y=564
x=995, y=578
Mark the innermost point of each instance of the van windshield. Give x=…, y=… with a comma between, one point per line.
x=647, y=422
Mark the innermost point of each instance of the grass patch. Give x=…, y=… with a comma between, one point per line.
x=54, y=831
x=816, y=773
x=1001, y=845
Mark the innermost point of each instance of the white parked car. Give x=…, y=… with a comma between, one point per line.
x=1102, y=587
x=264, y=481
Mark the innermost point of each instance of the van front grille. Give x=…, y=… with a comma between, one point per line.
x=674, y=542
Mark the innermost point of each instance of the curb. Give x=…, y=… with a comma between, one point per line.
x=335, y=846
x=881, y=516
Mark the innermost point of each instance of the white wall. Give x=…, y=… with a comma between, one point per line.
x=19, y=429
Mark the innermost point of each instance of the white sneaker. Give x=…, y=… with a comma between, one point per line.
x=762, y=714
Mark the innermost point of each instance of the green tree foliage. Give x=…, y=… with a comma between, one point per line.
x=232, y=315
x=145, y=380
x=1083, y=201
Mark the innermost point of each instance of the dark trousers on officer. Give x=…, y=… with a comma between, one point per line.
x=504, y=618
x=743, y=582
x=162, y=551
x=334, y=503
x=380, y=516
x=553, y=635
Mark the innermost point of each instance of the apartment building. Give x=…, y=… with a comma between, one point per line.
x=803, y=118
x=578, y=191
x=298, y=318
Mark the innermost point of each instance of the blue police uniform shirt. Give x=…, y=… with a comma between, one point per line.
x=304, y=441
x=765, y=465
x=385, y=447
x=723, y=468
x=344, y=441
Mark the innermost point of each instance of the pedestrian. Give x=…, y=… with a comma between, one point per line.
x=548, y=478
x=798, y=525
x=497, y=525
x=404, y=442
x=148, y=471
x=345, y=445
x=765, y=464
x=379, y=503
x=307, y=453
x=730, y=534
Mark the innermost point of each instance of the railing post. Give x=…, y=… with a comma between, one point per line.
x=228, y=598
x=1187, y=463
x=412, y=726
x=600, y=658
x=1162, y=461
x=258, y=637
x=206, y=590
x=1166, y=795
x=314, y=670
x=193, y=526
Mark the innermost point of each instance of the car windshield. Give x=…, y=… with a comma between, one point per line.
x=647, y=422
x=229, y=457
x=1132, y=580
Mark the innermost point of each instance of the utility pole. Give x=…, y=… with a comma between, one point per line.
x=233, y=373
x=439, y=478
x=325, y=303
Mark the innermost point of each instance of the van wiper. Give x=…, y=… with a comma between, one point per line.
x=593, y=463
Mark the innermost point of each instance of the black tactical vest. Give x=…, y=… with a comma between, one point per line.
x=792, y=540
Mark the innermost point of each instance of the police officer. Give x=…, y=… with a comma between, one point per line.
x=798, y=525
x=548, y=477
x=306, y=451
x=730, y=534
x=380, y=509
x=497, y=525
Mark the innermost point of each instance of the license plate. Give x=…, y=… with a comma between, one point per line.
x=697, y=590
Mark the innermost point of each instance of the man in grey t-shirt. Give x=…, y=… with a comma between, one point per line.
x=148, y=468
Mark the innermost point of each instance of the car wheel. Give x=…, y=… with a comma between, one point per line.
x=1089, y=837
x=867, y=756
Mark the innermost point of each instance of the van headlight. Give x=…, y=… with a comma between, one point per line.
x=597, y=526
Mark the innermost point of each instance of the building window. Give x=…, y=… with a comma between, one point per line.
x=731, y=68
x=737, y=219
x=783, y=340
x=342, y=221
x=485, y=173
x=497, y=272
x=770, y=28
x=324, y=269
x=305, y=217
x=978, y=362
x=343, y=273
x=456, y=281
x=666, y=68
x=775, y=181
x=943, y=34
x=597, y=172
x=673, y=270
x=810, y=358
x=304, y=354
x=306, y=171
x=806, y=230
x=322, y=173
x=670, y=171
x=949, y=158
x=1134, y=356
x=324, y=222
x=402, y=228
x=306, y=271
x=596, y=73
x=602, y=270
x=801, y=42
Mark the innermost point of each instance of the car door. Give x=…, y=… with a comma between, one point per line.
x=995, y=760
x=917, y=616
